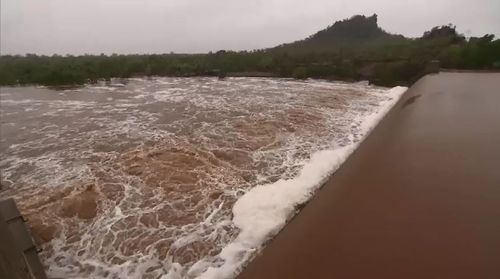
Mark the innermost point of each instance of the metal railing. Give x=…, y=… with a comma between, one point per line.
x=18, y=252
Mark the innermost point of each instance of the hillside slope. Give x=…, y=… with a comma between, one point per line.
x=355, y=31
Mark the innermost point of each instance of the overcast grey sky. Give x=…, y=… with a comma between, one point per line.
x=159, y=26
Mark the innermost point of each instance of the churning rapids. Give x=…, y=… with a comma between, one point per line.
x=173, y=177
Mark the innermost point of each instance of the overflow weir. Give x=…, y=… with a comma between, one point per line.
x=419, y=198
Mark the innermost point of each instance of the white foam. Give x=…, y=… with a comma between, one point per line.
x=264, y=210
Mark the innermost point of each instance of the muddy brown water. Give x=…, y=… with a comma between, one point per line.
x=137, y=179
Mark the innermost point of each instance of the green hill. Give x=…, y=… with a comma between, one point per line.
x=353, y=31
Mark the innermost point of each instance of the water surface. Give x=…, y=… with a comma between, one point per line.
x=138, y=179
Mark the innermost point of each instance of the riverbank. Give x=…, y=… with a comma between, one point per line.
x=419, y=198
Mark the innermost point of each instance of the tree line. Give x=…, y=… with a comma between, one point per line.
x=352, y=49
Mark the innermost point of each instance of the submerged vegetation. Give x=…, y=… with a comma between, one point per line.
x=352, y=49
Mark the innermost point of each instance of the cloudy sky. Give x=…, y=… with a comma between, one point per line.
x=159, y=26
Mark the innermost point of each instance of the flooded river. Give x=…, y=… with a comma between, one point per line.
x=139, y=178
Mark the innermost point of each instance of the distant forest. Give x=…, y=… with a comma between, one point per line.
x=352, y=49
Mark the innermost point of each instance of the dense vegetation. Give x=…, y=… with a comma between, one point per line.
x=352, y=49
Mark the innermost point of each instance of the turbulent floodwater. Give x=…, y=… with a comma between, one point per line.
x=138, y=179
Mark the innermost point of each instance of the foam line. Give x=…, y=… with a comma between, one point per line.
x=264, y=210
